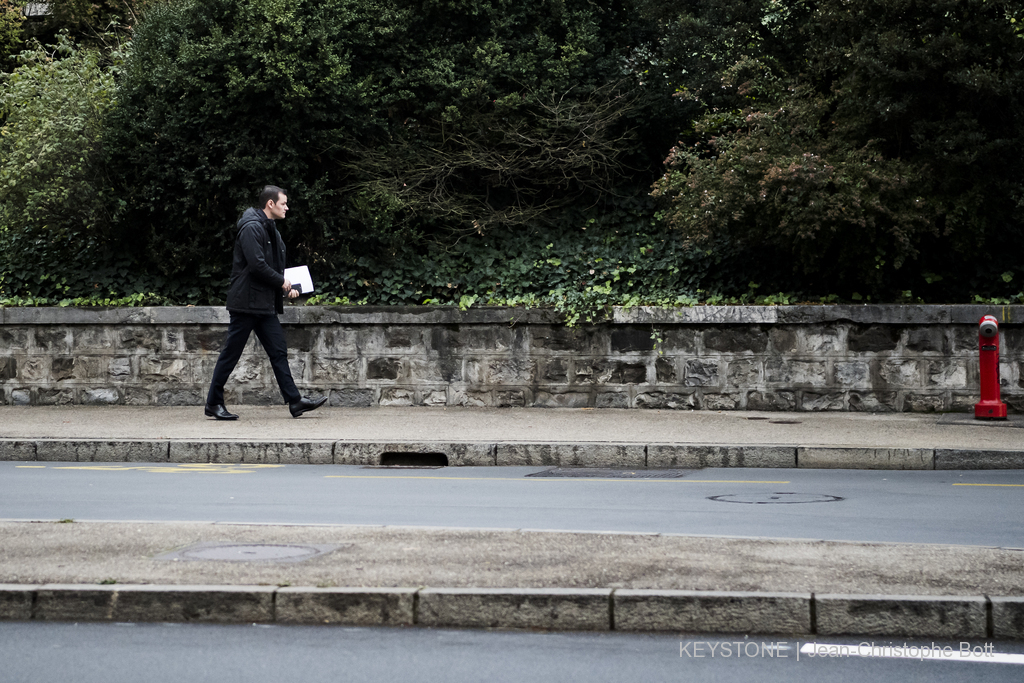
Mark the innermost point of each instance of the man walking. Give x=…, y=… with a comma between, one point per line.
x=255, y=298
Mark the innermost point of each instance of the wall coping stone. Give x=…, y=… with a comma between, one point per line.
x=878, y=314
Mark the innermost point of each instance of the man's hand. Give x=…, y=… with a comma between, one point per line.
x=293, y=294
x=287, y=286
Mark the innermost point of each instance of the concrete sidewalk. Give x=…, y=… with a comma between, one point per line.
x=511, y=436
x=511, y=578
x=471, y=578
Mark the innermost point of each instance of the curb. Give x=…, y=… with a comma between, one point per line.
x=553, y=454
x=562, y=609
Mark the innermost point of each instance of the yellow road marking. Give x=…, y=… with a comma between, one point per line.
x=180, y=468
x=686, y=481
x=30, y=467
x=1004, y=485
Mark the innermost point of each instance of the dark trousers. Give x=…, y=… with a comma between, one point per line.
x=270, y=333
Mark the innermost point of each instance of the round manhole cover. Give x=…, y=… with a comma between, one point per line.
x=781, y=498
x=248, y=552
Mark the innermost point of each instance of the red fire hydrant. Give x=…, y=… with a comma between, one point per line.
x=989, y=407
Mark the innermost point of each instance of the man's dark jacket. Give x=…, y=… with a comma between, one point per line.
x=257, y=272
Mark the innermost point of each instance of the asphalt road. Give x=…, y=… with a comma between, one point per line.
x=948, y=507
x=158, y=653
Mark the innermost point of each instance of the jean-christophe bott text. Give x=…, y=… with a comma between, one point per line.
x=696, y=649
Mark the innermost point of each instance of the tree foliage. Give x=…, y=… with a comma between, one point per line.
x=387, y=120
x=862, y=135
x=56, y=199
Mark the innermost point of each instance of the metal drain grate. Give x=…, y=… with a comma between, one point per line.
x=608, y=473
x=247, y=552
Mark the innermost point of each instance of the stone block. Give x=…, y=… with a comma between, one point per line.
x=812, y=401
x=967, y=459
x=21, y=397
x=673, y=456
x=194, y=604
x=947, y=374
x=396, y=396
x=667, y=400
x=384, y=369
x=35, y=369
x=340, y=342
x=853, y=374
x=873, y=401
x=617, y=372
x=138, y=396
x=1007, y=618
x=510, y=399
x=899, y=373
x=872, y=338
x=611, y=399
x=16, y=601
x=436, y=397
x=925, y=339
x=350, y=606
x=253, y=452
x=300, y=339
x=712, y=612
x=92, y=338
x=501, y=371
x=8, y=369
x=203, y=339
x=568, y=399
x=631, y=339
x=679, y=340
x=820, y=457
x=899, y=616
x=736, y=339
x=915, y=402
x=181, y=397
x=566, y=609
x=55, y=397
x=156, y=369
x=15, y=449
x=472, y=399
x=139, y=339
x=795, y=372
x=62, y=368
x=119, y=369
x=335, y=369
x=720, y=401
x=701, y=373
x=578, y=340
x=69, y=450
x=351, y=398
x=74, y=602
x=14, y=338
x=405, y=337
x=784, y=340
x=435, y=370
x=743, y=373
x=459, y=454
x=100, y=396
x=555, y=370
x=819, y=341
x=785, y=401
x=570, y=455
x=665, y=371
x=53, y=340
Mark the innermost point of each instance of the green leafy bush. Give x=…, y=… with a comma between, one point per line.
x=389, y=122
x=56, y=201
x=860, y=137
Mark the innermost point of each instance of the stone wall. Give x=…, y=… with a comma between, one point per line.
x=860, y=358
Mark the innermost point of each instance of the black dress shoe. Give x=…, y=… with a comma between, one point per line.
x=219, y=412
x=304, y=405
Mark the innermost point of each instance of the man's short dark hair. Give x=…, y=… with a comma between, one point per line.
x=271, y=193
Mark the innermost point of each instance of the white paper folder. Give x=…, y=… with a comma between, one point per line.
x=299, y=275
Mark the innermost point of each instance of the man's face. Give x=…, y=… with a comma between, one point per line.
x=278, y=209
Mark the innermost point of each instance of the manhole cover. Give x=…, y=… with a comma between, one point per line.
x=247, y=552
x=780, y=498
x=599, y=473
